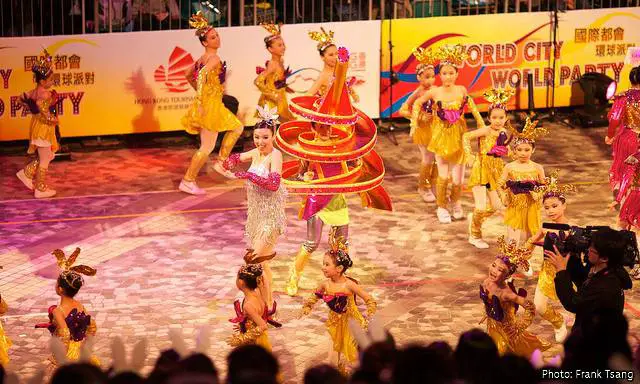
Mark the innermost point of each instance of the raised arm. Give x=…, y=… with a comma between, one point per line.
x=369, y=301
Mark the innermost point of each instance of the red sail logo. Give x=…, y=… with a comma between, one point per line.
x=173, y=77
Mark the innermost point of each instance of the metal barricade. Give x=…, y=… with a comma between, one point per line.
x=56, y=17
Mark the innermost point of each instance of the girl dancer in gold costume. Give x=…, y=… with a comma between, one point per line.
x=421, y=117
x=272, y=80
x=449, y=101
x=69, y=320
x=5, y=342
x=518, y=183
x=207, y=115
x=487, y=165
x=42, y=103
x=501, y=301
x=339, y=292
x=554, y=202
x=266, y=195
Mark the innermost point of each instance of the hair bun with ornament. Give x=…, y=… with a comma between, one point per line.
x=427, y=58
x=551, y=187
x=453, y=55
x=268, y=117
x=274, y=31
x=43, y=67
x=72, y=274
x=339, y=250
x=201, y=24
x=530, y=133
x=324, y=39
x=499, y=97
x=513, y=256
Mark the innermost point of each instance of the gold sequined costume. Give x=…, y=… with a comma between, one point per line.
x=273, y=96
x=524, y=210
x=446, y=139
x=5, y=342
x=486, y=169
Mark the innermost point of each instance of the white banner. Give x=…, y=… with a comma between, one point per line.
x=133, y=82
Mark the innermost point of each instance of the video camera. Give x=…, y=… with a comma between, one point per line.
x=578, y=241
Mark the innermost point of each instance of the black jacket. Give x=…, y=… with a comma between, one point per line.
x=604, y=290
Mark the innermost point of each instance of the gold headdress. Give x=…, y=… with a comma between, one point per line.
x=43, y=66
x=426, y=58
x=499, y=97
x=452, y=55
x=70, y=273
x=200, y=23
x=530, y=133
x=551, y=188
x=323, y=38
x=274, y=31
x=339, y=249
x=513, y=256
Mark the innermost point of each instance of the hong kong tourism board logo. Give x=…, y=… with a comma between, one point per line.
x=173, y=75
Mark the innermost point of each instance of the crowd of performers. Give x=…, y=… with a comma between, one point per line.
x=332, y=146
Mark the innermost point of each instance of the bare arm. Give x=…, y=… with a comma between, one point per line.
x=189, y=76
x=358, y=291
x=276, y=162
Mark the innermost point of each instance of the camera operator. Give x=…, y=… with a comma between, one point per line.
x=601, y=280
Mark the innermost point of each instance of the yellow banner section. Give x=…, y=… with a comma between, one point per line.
x=504, y=49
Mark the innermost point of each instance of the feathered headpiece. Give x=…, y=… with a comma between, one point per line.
x=452, y=55
x=43, y=68
x=530, y=133
x=323, y=38
x=72, y=274
x=268, y=116
x=513, y=256
x=339, y=249
x=200, y=23
x=426, y=58
x=499, y=97
x=274, y=31
x=633, y=56
x=551, y=187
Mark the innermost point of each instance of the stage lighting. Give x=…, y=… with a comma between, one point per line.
x=598, y=89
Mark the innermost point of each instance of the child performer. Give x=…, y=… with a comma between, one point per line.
x=42, y=103
x=518, y=183
x=69, y=320
x=207, y=115
x=329, y=55
x=266, y=195
x=501, y=302
x=421, y=117
x=487, y=165
x=449, y=125
x=554, y=202
x=5, y=342
x=272, y=80
x=339, y=292
x=624, y=126
x=252, y=315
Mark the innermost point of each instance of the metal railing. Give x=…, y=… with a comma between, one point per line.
x=56, y=17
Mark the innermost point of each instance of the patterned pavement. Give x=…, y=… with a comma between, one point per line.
x=168, y=260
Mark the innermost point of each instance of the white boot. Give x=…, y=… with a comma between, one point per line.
x=458, y=213
x=443, y=216
x=427, y=195
x=25, y=180
x=191, y=188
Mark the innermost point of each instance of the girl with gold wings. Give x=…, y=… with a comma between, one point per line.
x=329, y=55
x=339, y=293
x=517, y=186
x=554, y=203
x=272, y=80
x=69, y=320
x=501, y=302
x=252, y=316
x=208, y=116
x=421, y=118
x=449, y=102
x=266, y=194
x=487, y=165
x=5, y=342
x=42, y=103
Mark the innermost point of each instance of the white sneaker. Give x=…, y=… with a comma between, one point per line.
x=25, y=180
x=217, y=166
x=191, y=188
x=44, y=194
x=427, y=195
x=561, y=333
x=443, y=216
x=478, y=243
x=458, y=213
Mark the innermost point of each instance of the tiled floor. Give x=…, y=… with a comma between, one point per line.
x=168, y=260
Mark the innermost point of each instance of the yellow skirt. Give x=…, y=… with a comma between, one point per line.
x=284, y=114
x=39, y=131
x=216, y=117
x=5, y=344
x=336, y=213
x=263, y=341
x=522, y=344
x=423, y=133
x=545, y=280
x=446, y=140
x=486, y=170
x=523, y=213
x=343, y=342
